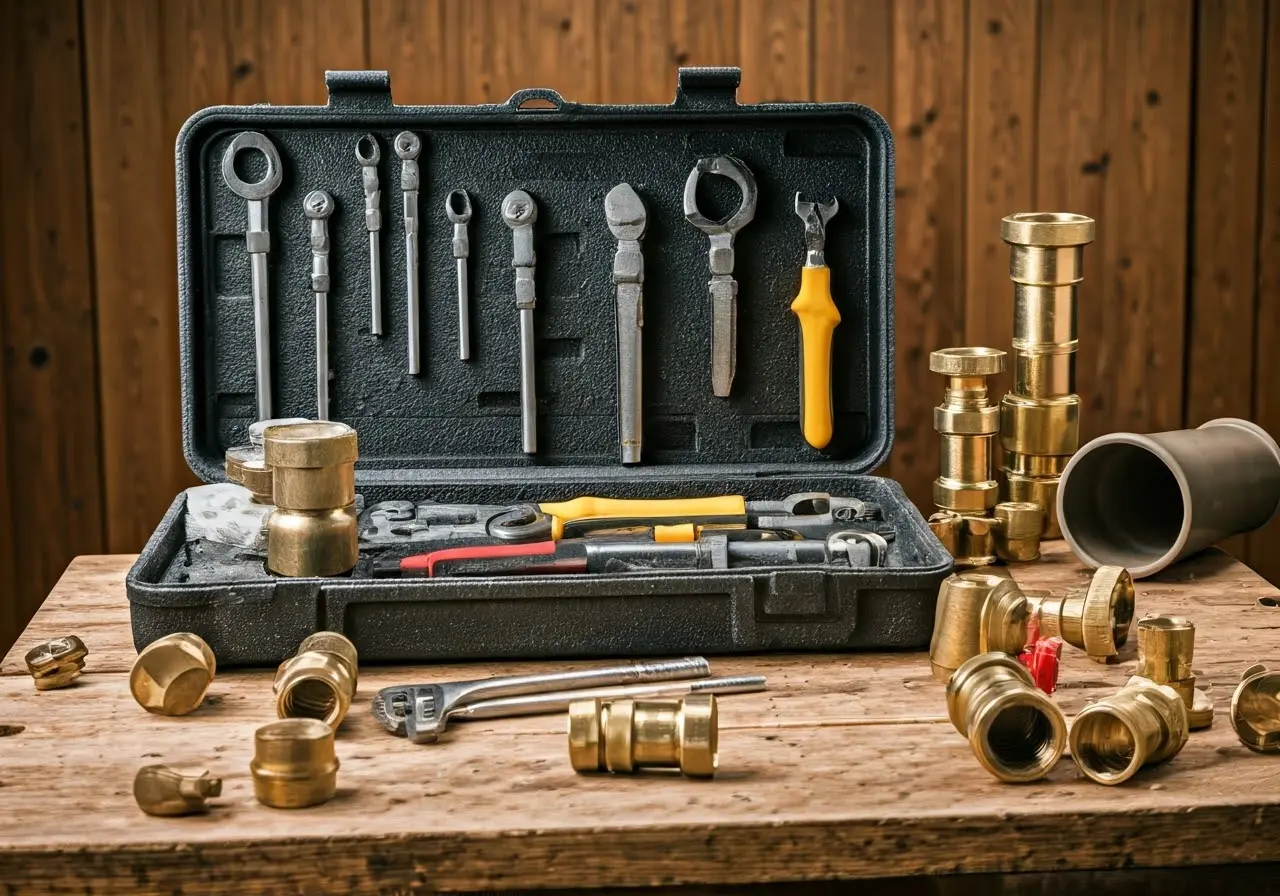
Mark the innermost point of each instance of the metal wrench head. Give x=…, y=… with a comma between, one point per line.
x=408, y=145
x=367, y=150
x=815, y=216
x=625, y=213
x=841, y=544
x=519, y=209
x=318, y=205
x=737, y=171
x=269, y=184
x=457, y=207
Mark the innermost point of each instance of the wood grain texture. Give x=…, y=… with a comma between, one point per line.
x=819, y=777
x=642, y=45
x=853, y=53
x=773, y=46
x=51, y=502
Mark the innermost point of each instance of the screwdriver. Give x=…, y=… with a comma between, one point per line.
x=819, y=318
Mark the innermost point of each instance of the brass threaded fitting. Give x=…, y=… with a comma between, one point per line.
x=57, y=662
x=967, y=424
x=968, y=538
x=1041, y=490
x=1255, y=709
x=319, y=682
x=246, y=465
x=1166, y=648
x=172, y=674
x=1015, y=730
x=1095, y=619
x=294, y=764
x=976, y=613
x=313, y=531
x=1017, y=535
x=1141, y=724
x=160, y=790
x=627, y=735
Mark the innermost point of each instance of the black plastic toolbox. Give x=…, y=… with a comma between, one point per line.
x=452, y=433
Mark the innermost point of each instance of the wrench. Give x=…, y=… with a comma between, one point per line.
x=625, y=213
x=368, y=155
x=457, y=208
x=408, y=146
x=318, y=207
x=257, y=239
x=519, y=211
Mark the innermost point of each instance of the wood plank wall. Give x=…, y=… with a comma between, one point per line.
x=1158, y=117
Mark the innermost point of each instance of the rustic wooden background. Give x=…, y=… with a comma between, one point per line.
x=1155, y=116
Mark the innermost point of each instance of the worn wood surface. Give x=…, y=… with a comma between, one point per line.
x=845, y=768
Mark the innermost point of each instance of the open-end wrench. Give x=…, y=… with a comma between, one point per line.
x=519, y=211
x=625, y=213
x=257, y=239
x=408, y=146
x=819, y=317
x=457, y=208
x=318, y=207
x=368, y=155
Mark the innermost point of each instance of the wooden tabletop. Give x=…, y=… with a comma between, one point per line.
x=845, y=768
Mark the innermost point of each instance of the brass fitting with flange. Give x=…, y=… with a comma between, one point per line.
x=313, y=531
x=294, y=764
x=1095, y=619
x=1012, y=533
x=57, y=662
x=1166, y=647
x=1015, y=730
x=246, y=465
x=160, y=790
x=976, y=613
x=628, y=735
x=1143, y=723
x=967, y=424
x=1040, y=417
x=319, y=682
x=172, y=674
x=1255, y=709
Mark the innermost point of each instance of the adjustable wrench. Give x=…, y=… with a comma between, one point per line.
x=318, y=207
x=818, y=316
x=408, y=146
x=257, y=239
x=519, y=211
x=368, y=154
x=457, y=208
x=625, y=213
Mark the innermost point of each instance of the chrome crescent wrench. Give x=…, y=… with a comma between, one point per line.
x=318, y=207
x=368, y=155
x=257, y=240
x=457, y=208
x=625, y=213
x=519, y=211
x=408, y=146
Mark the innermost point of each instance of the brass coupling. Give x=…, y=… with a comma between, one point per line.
x=1141, y=724
x=57, y=662
x=1255, y=709
x=313, y=530
x=294, y=764
x=159, y=790
x=1012, y=533
x=319, y=682
x=1015, y=730
x=1040, y=417
x=628, y=735
x=967, y=424
x=1095, y=619
x=172, y=674
x=976, y=613
x=1166, y=647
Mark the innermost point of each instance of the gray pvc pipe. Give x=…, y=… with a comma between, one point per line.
x=1145, y=501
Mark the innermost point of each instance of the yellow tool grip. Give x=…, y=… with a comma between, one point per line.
x=684, y=509
x=819, y=318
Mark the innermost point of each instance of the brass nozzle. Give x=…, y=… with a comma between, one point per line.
x=1255, y=710
x=246, y=465
x=976, y=613
x=159, y=790
x=627, y=735
x=1015, y=730
x=57, y=662
x=294, y=764
x=1094, y=619
x=313, y=531
x=967, y=424
x=319, y=682
x=171, y=675
x=1141, y=724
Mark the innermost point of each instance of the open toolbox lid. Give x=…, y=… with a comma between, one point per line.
x=455, y=428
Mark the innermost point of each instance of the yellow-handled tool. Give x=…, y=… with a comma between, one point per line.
x=565, y=519
x=819, y=318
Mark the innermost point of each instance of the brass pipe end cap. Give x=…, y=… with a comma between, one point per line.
x=310, y=445
x=171, y=675
x=57, y=662
x=699, y=735
x=1108, y=612
x=970, y=360
x=162, y=791
x=1255, y=710
x=1021, y=519
x=1049, y=230
x=586, y=746
x=294, y=764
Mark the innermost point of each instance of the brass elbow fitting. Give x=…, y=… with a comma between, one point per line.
x=1141, y=724
x=1094, y=619
x=313, y=531
x=171, y=675
x=976, y=613
x=967, y=424
x=159, y=790
x=319, y=682
x=627, y=735
x=294, y=764
x=56, y=662
x=1255, y=710
x=1015, y=730
x=1166, y=647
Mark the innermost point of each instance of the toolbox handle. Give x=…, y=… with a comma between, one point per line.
x=359, y=88
x=546, y=94
x=707, y=87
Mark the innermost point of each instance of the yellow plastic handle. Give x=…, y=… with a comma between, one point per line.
x=683, y=509
x=819, y=318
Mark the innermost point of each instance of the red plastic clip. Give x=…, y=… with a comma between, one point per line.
x=1041, y=660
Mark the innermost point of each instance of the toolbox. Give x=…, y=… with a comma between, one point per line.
x=452, y=432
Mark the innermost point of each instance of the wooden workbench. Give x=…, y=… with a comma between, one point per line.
x=843, y=769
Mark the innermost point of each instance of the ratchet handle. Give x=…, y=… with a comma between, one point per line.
x=682, y=509
x=819, y=318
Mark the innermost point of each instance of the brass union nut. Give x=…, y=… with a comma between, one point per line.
x=294, y=764
x=627, y=735
x=159, y=790
x=319, y=682
x=1255, y=710
x=1141, y=724
x=56, y=662
x=1094, y=619
x=172, y=674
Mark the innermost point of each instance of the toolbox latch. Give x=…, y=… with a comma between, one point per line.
x=707, y=87
x=363, y=89
x=793, y=595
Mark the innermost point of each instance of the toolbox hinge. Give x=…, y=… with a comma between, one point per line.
x=707, y=87
x=362, y=89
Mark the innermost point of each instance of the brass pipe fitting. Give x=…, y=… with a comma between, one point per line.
x=172, y=674
x=246, y=465
x=159, y=790
x=1166, y=648
x=1017, y=529
x=1141, y=724
x=319, y=682
x=57, y=662
x=294, y=764
x=967, y=424
x=1015, y=730
x=1040, y=417
x=313, y=530
x=1255, y=709
x=976, y=613
x=1011, y=534
x=1094, y=619
x=627, y=735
